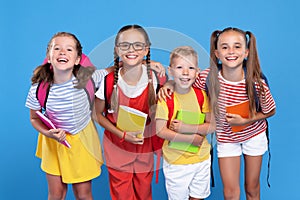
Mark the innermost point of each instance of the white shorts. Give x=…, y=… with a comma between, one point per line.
x=255, y=146
x=183, y=181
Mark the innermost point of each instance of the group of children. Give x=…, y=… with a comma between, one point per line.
x=234, y=77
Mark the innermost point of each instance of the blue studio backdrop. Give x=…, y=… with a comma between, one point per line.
x=27, y=26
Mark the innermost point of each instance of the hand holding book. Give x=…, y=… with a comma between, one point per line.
x=241, y=109
x=50, y=125
x=188, y=117
x=131, y=120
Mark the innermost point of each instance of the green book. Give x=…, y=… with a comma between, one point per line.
x=188, y=117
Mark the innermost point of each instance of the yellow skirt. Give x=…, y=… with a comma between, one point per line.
x=82, y=162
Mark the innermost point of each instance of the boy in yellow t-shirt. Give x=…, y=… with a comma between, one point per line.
x=187, y=174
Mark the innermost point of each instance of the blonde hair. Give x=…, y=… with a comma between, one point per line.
x=183, y=52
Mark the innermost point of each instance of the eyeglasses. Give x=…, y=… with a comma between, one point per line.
x=137, y=46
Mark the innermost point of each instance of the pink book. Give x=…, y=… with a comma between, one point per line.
x=50, y=125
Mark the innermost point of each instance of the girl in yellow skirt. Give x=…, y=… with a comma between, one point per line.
x=68, y=107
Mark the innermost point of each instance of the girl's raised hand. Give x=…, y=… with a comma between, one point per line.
x=158, y=67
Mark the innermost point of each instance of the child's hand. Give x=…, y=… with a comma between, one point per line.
x=198, y=139
x=164, y=93
x=235, y=119
x=158, y=67
x=134, y=137
x=57, y=134
x=177, y=126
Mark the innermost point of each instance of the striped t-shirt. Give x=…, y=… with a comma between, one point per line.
x=232, y=93
x=67, y=107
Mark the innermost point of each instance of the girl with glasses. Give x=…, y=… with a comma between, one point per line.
x=129, y=158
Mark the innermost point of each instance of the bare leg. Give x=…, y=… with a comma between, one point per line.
x=57, y=190
x=83, y=191
x=252, y=174
x=230, y=173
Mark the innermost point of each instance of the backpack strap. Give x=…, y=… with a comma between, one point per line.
x=90, y=91
x=108, y=85
x=158, y=142
x=259, y=109
x=200, y=102
x=42, y=92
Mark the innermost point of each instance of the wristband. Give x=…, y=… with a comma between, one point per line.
x=123, y=138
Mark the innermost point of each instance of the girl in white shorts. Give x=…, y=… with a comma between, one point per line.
x=240, y=100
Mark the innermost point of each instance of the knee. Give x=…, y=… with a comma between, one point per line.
x=87, y=195
x=231, y=193
x=57, y=195
x=252, y=191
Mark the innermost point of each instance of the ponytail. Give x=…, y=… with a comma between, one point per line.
x=42, y=73
x=254, y=73
x=213, y=81
x=114, y=96
x=151, y=92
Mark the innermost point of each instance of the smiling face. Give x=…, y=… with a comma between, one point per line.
x=63, y=54
x=231, y=49
x=137, y=50
x=184, y=71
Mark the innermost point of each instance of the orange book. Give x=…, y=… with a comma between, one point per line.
x=241, y=109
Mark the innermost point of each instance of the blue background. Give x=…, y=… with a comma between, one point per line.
x=27, y=26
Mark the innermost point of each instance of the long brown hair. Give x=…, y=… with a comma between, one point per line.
x=151, y=94
x=254, y=73
x=45, y=72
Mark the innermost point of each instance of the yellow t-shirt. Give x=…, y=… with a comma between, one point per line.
x=187, y=102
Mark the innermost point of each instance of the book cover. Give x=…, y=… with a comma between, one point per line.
x=50, y=125
x=130, y=119
x=188, y=117
x=241, y=109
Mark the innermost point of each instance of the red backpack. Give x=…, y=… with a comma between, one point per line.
x=43, y=88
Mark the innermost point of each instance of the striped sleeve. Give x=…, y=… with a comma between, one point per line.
x=31, y=100
x=201, y=79
x=267, y=102
x=98, y=76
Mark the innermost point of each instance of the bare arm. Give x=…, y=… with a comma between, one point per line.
x=163, y=132
x=202, y=129
x=235, y=119
x=57, y=134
